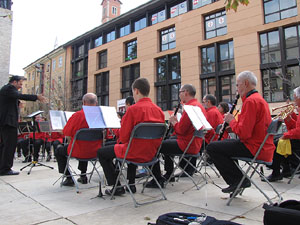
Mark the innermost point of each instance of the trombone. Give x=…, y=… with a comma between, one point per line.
x=285, y=112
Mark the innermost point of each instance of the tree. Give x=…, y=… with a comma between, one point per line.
x=233, y=4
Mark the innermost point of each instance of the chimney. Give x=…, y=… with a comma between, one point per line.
x=110, y=9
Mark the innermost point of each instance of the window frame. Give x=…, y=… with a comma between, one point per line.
x=103, y=93
x=126, y=91
x=280, y=11
x=214, y=16
x=127, y=47
x=102, y=59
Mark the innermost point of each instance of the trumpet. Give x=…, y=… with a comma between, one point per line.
x=285, y=112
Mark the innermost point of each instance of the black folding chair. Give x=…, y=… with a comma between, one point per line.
x=254, y=164
x=85, y=134
x=146, y=131
x=186, y=157
x=296, y=153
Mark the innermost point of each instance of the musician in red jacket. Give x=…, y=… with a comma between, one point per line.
x=251, y=127
x=81, y=149
x=214, y=117
x=144, y=110
x=293, y=125
x=184, y=130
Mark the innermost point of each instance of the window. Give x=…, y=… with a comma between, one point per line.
x=140, y=24
x=125, y=30
x=98, y=41
x=215, y=24
x=218, y=71
x=48, y=67
x=131, y=50
x=114, y=10
x=168, y=79
x=78, y=90
x=270, y=47
x=102, y=59
x=102, y=88
x=110, y=36
x=200, y=3
x=158, y=17
x=178, y=9
x=60, y=61
x=6, y=4
x=79, y=68
x=53, y=64
x=129, y=74
x=275, y=10
x=168, y=39
x=80, y=51
x=279, y=51
x=28, y=77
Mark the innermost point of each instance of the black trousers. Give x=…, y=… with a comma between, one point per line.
x=49, y=144
x=280, y=160
x=106, y=155
x=168, y=147
x=61, y=155
x=37, y=146
x=221, y=153
x=8, y=143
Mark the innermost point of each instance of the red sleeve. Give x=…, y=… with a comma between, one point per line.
x=291, y=124
x=127, y=125
x=294, y=132
x=246, y=120
x=183, y=125
x=72, y=125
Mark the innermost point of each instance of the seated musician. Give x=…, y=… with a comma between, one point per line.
x=251, y=127
x=223, y=108
x=81, y=149
x=214, y=117
x=184, y=131
x=144, y=110
x=293, y=125
x=39, y=139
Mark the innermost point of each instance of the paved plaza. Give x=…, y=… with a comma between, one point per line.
x=33, y=199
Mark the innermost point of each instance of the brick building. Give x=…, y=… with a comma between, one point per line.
x=5, y=39
x=191, y=41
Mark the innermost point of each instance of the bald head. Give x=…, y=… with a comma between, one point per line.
x=89, y=99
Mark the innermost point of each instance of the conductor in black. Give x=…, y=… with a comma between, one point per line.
x=9, y=111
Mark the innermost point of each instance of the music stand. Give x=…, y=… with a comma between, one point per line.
x=44, y=127
x=35, y=126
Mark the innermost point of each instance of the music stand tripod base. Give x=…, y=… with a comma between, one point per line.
x=35, y=164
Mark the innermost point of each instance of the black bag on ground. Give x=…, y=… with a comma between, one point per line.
x=180, y=218
x=287, y=212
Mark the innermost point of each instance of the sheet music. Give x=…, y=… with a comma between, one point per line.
x=110, y=117
x=68, y=114
x=35, y=113
x=94, y=116
x=101, y=117
x=197, y=117
x=58, y=119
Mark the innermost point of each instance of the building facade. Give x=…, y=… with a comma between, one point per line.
x=46, y=76
x=5, y=39
x=110, y=9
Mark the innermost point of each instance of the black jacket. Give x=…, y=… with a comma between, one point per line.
x=9, y=98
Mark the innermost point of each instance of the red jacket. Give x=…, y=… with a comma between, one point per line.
x=252, y=126
x=293, y=127
x=55, y=136
x=82, y=149
x=214, y=117
x=184, y=130
x=141, y=150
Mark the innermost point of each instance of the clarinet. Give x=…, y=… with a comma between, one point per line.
x=231, y=111
x=169, y=128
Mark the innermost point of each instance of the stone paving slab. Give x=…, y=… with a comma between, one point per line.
x=33, y=199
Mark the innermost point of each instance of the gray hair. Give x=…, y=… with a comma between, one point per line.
x=190, y=89
x=248, y=75
x=297, y=92
x=90, y=98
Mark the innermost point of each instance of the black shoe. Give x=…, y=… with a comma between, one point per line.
x=82, y=179
x=152, y=183
x=27, y=159
x=286, y=174
x=231, y=188
x=48, y=158
x=10, y=172
x=19, y=154
x=119, y=191
x=132, y=188
x=273, y=178
x=68, y=182
x=167, y=176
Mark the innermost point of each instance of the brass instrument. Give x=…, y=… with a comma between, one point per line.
x=285, y=112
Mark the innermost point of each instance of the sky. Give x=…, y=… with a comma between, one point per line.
x=37, y=24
